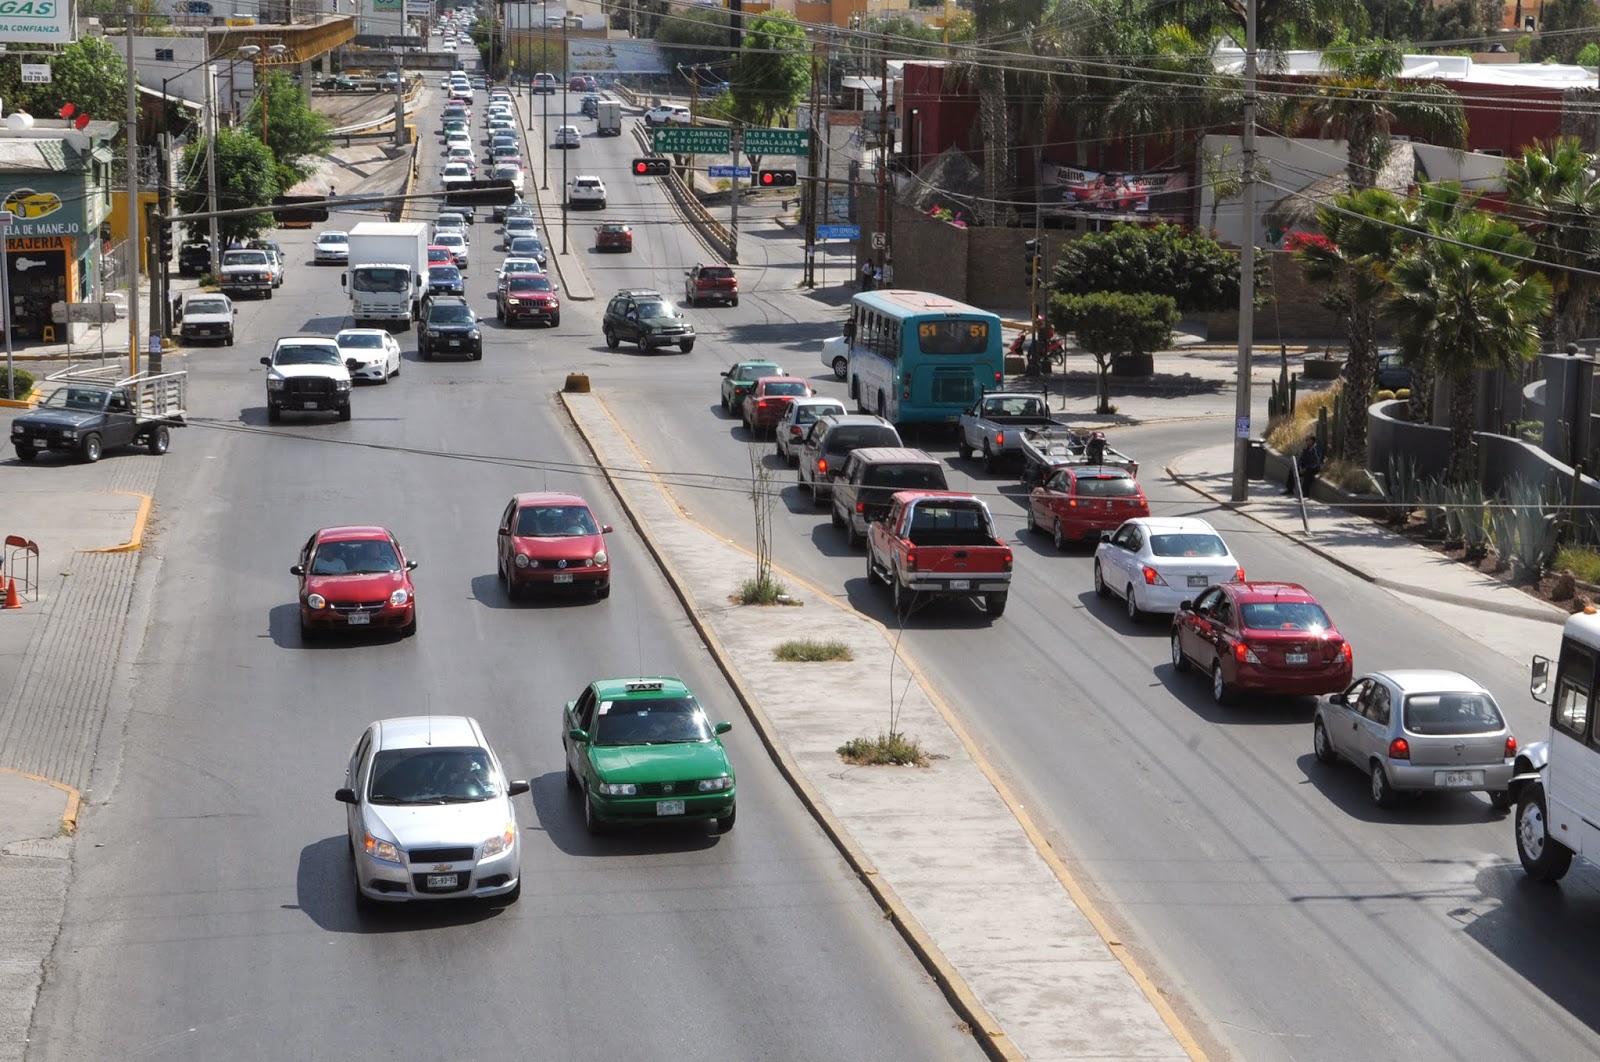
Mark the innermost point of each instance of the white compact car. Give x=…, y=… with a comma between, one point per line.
x=1156, y=563
x=587, y=190
x=332, y=247
x=375, y=352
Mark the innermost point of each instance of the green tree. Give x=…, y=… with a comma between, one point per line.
x=1111, y=324
x=1554, y=193
x=1460, y=300
x=773, y=69
x=1565, y=26
x=1199, y=273
x=1178, y=93
x=294, y=133
x=1459, y=20
x=695, y=37
x=88, y=73
x=246, y=177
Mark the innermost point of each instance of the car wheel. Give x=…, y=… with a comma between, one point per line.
x=963, y=451
x=735, y=301
x=688, y=297
x=499, y=313
x=613, y=343
x=91, y=447
x=1100, y=587
x=835, y=517
x=1057, y=537
x=1131, y=600
x=841, y=367
x=1180, y=662
x=856, y=537
x=1321, y=744
x=427, y=353
x=602, y=590
x=1542, y=859
x=995, y=603
x=410, y=629
x=555, y=322
x=1221, y=692
x=269, y=293
x=988, y=457
x=344, y=412
x=510, y=897
x=572, y=776
x=725, y=822
x=477, y=355
x=591, y=822
x=1500, y=799
x=872, y=570
x=308, y=633
x=274, y=414
x=686, y=346
x=228, y=340
x=902, y=596
x=160, y=440
x=1383, y=794
x=26, y=453
x=363, y=901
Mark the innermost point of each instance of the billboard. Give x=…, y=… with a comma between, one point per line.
x=419, y=8
x=37, y=22
x=586, y=56
x=1075, y=190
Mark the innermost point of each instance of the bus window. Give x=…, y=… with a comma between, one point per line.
x=953, y=337
x=1571, y=705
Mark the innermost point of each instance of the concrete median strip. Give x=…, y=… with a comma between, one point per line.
x=992, y=913
x=136, y=539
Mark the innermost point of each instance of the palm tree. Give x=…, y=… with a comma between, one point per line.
x=1460, y=298
x=1362, y=99
x=1556, y=196
x=1351, y=259
x=999, y=26
x=1179, y=91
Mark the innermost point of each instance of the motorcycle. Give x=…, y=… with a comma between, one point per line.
x=1039, y=357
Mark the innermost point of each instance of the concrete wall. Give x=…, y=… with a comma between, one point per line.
x=1289, y=310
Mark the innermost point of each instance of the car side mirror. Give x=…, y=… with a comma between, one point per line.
x=1186, y=606
x=518, y=787
x=1338, y=698
x=606, y=529
x=344, y=279
x=345, y=795
x=1539, y=681
x=298, y=569
x=266, y=361
x=504, y=532
x=1105, y=536
x=722, y=728
x=236, y=311
x=411, y=565
x=724, y=374
x=352, y=364
x=578, y=734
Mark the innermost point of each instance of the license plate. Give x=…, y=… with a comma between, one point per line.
x=960, y=584
x=357, y=619
x=308, y=405
x=455, y=342
x=563, y=577
x=443, y=881
x=1199, y=580
x=41, y=443
x=1295, y=658
x=669, y=807
x=1457, y=778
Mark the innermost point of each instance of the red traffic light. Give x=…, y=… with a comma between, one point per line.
x=651, y=167
x=776, y=178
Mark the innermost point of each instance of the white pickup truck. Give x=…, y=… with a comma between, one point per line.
x=993, y=426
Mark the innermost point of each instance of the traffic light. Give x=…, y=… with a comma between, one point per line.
x=162, y=234
x=480, y=193
x=652, y=167
x=1031, y=255
x=776, y=178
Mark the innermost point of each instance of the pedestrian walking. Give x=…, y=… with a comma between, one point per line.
x=877, y=276
x=866, y=276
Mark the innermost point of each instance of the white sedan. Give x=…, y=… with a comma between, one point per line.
x=1155, y=563
x=375, y=349
x=332, y=246
x=568, y=136
x=457, y=244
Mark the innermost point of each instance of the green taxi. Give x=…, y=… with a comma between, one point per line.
x=737, y=381
x=640, y=750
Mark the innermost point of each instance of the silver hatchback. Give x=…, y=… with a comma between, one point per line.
x=1414, y=731
x=429, y=813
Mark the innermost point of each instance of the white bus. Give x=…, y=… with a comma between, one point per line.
x=1556, y=783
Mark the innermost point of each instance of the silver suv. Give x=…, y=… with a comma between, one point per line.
x=830, y=441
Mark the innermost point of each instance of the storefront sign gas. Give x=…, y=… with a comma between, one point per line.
x=36, y=22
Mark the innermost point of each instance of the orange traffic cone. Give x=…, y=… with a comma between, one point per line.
x=12, y=600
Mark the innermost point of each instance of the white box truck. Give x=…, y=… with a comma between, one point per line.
x=387, y=275
x=608, y=114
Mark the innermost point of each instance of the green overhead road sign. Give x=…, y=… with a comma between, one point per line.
x=777, y=142
x=691, y=140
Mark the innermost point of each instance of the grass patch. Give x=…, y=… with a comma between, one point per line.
x=807, y=650
x=1287, y=434
x=1583, y=560
x=1348, y=476
x=760, y=592
x=891, y=750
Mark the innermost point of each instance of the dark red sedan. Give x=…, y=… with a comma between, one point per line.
x=1076, y=503
x=764, y=404
x=1261, y=638
x=613, y=236
x=352, y=579
x=552, y=540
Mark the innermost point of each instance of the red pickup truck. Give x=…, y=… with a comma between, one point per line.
x=939, y=544
x=710, y=283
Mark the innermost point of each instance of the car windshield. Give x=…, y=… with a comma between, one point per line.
x=432, y=776
x=452, y=240
x=76, y=398
x=1187, y=545
x=756, y=371
x=786, y=388
x=658, y=721
x=1284, y=616
x=450, y=314
x=522, y=226
x=380, y=279
x=444, y=272
x=843, y=440
x=305, y=354
x=905, y=477
x=196, y=306
x=555, y=521
x=807, y=414
x=367, y=556
x=506, y=173
x=1106, y=487
x=456, y=169
x=539, y=283
x=716, y=272
x=333, y=237
x=233, y=258
x=1452, y=713
x=527, y=245
x=657, y=308
x=360, y=340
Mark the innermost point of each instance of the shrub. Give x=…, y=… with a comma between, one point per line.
x=1383, y=395
x=1286, y=434
x=24, y=383
x=760, y=592
x=891, y=749
x=1583, y=561
x=1404, y=392
x=807, y=650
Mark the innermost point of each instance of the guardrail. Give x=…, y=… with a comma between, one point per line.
x=714, y=231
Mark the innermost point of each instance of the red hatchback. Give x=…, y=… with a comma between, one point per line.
x=355, y=578
x=1076, y=503
x=764, y=404
x=1261, y=638
x=552, y=540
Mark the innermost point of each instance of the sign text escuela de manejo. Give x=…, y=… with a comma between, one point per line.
x=36, y=21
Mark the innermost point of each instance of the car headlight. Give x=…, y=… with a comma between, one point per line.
x=511, y=302
x=342, y=385
x=399, y=597
x=474, y=334
x=715, y=785
x=501, y=842
x=600, y=558
x=433, y=333
x=618, y=789
x=316, y=601
x=383, y=851
x=274, y=383
x=522, y=560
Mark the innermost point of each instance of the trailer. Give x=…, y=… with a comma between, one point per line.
x=1044, y=448
x=94, y=409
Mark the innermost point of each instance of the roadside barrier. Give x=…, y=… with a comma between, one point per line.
x=26, y=551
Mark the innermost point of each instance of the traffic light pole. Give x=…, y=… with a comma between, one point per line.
x=737, y=138
x=152, y=236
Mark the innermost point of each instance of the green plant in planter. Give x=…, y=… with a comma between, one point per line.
x=1466, y=519
x=23, y=381
x=1400, y=490
x=1526, y=529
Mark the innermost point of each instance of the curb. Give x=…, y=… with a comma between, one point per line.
x=139, y=521
x=32, y=398
x=69, y=817
x=544, y=220
x=1546, y=614
x=994, y=1041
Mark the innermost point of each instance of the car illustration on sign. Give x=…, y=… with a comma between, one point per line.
x=25, y=203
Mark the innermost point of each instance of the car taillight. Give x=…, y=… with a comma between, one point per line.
x=911, y=560
x=905, y=378
x=1238, y=575
x=999, y=438
x=998, y=380
x=1511, y=746
x=1153, y=577
x=1399, y=749
x=1346, y=652
x=761, y=404
x=861, y=507
x=1244, y=654
x=795, y=431
x=822, y=466
x=1008, y=560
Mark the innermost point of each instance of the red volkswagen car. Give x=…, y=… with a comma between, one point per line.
x=1076, y=503
x=552, y=540
x=355, y=578
x=764, y=405
x=1261, y=638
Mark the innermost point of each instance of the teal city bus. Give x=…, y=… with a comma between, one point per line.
x=919, y=358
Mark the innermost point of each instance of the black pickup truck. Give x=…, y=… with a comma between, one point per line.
x=91, y=412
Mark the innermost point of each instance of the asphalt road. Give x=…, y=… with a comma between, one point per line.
x=211, y=913
x=1290, y=918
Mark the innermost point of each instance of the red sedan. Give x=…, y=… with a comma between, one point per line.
x=613, y=236
x=1076, y=503
x=764, y=404
x=552, y=540
x=438, y=254
x=1261, y=638
x=355, y=578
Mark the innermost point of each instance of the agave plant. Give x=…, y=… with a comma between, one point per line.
x=1526, y=528
x=1400, y=490
x=1467, y=519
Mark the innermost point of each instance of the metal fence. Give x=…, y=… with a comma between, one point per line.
x=114, y=274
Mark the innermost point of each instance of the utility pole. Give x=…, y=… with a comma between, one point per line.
x=399, y=102
x=132, y=243
x=811, y=175
x=565, y=151
x=211, y=168
x=1247, y=263
x=544, y=50
x=883, y=152
x=737, y=138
